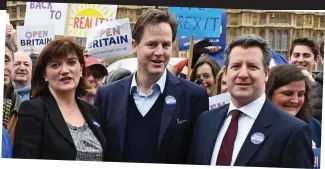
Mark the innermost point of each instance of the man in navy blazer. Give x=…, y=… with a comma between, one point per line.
x=149, y=116
x=250, y=131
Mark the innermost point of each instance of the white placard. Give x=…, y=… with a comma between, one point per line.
x=219, y=100
x=82, y=17
x=8, y=19
x=110, y=40
x=46, y=13
x=32, y=39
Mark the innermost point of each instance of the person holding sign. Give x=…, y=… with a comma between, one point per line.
x=250, y=131
x=11, y=34
x=149, y=116
x=289, y=89
x=55, y=124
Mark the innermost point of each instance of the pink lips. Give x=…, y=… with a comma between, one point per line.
x=243, y=84
x=65, y=78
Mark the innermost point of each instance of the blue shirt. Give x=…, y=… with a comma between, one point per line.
x=6, y=147
x=145, y=102
x=24, y=92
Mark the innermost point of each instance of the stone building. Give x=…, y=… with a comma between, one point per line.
x=279, y=28
x=16, y=10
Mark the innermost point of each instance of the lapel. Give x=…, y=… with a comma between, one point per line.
x=262, y=124
x=92, y=123
x=212, y=131
x=57, y=119
x=171, y=89
x=119, y=118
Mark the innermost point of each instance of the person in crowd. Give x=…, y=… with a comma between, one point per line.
x=303, y=53
x=289, y=89
x=250, y=131
x=22, y=74
x=95, y=72
x=11, y=100
x=317, y=86
x=205, y=73
x=221, y=82
x=117, y=75
x=54, y=123
x=6, y=146
x=149, y=117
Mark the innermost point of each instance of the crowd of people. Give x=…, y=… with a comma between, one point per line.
x=67, y=106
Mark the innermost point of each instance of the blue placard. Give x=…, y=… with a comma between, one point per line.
x=184, y=41
x=317, y=158
x=200, y=22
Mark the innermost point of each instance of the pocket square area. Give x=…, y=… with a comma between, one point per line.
x=181, y=121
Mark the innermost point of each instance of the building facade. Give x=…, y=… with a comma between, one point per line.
x=16, y=10
x=279, y=28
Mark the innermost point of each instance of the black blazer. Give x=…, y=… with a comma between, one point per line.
x=42, y=133
x=287, y=140
x=177, y=122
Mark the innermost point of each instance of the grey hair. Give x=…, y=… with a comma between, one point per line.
x=250, y=40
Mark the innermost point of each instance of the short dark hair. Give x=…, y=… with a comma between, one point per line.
x=11, y=48
x=250, y=40
x=152, y=17
x=305, y=42
x=282, y=75
x=204, y=59
x=56, y=48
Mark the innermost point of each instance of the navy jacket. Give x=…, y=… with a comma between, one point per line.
x=177, y=123
x=287, y=141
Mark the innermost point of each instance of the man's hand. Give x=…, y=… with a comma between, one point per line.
x=11, y=34
x=308, y=75
x=213, y=49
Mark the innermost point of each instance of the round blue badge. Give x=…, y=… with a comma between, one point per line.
x=257, y=138
x=170, y=101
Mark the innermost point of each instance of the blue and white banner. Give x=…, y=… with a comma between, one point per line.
x=200, y=22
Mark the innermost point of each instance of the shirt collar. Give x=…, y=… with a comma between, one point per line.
x=252, y=109
x=161, y=82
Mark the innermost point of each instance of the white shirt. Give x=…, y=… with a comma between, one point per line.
x=145, y=102
x=245, y=123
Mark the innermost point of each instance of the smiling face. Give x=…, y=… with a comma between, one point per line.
x=303, y=57
x=63, y=74
x=22, y=68
x=204, y=72
x=246, y=75
x=154, y=49
x=290, y=97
